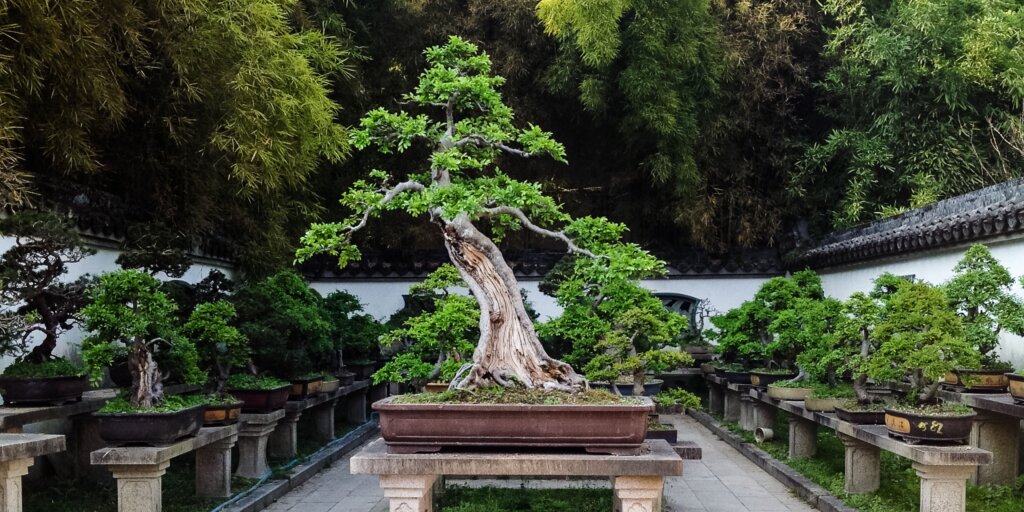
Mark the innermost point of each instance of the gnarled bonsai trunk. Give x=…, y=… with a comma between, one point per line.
x=509, y=351
x=146, y=386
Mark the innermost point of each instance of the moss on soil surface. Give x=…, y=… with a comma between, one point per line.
x=900, y=487
x=490, y=499
x=934, y=410
x=517, y=396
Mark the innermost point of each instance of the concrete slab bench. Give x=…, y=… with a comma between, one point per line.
x=410, y=480
x=943, y=470
x=996, y=428
x=284, y=439
x=17, y=453
x=140, y=469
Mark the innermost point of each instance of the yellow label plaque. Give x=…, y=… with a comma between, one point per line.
x=897, y=424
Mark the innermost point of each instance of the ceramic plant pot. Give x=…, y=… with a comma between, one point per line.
x=764, y=379
x=222, y=414
x=302, y=388
x=733, y=377
x=991, y=381
x=1016, y=385
x=861, y=417
x=671, y=434
x=794, y=394
x=330, y=386
x=436, y=387
x=149, y=428
x=928, y=429
x=651, y=387
x=262, y=400
x=821, y=404
x=42, y=390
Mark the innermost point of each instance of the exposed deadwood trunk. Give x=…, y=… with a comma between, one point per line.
x=509, y=351
x=146, y=386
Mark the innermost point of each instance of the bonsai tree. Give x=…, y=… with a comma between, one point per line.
x=128, y=309
x=220, y=345
x=805, y=334
x=35, y=300
x=284, y=321
x=458, y=189
x=436, y=343
x=215, y=286
x=354, y=335
x=921, y=337
x=980, y=293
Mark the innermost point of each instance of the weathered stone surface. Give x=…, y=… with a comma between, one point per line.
x=764, y=415
x=148, y=455
x=716, y=399
x=747, y=419
x=26, y=446
x=1000, y=435
x=139, y=487
x=803, y=437
x=943, y=488
x=658, y=459
x=254, y=431
x=11, y=472
x=638, y=493
x=862, y=466
x=284, y=440
x=323, y=420
x=355, y=407
x=688, y=450
x=213, y=469
x=409, y=493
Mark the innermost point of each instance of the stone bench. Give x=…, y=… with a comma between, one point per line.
x=283, y=441
x=943, y=470
x=17, y=453
x=996, y=428
x=139, y=469
x=409, y=480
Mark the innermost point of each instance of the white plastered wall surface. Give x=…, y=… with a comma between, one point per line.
x=935, y=267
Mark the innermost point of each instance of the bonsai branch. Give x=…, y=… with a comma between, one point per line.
x=389, y=195
x=480, y=141
x=528, y=224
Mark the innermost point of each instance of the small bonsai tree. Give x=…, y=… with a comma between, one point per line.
x=921, y=337
x=129, y=309
x=436, y=343
x=220, y=345
x=980, y=292
x=354, y=335
x=34, y=298
x=805, y=334
x=460, y=187
x=284, y=321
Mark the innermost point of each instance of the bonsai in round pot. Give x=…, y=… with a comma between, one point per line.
x=981, y=293
x=922, y=338
x=221, y=348
x=259, y=393
x=129, y=309
x=434, y=344
x=36, y=302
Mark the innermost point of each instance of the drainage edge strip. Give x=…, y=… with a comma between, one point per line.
x=263, y=496
x=814, y=494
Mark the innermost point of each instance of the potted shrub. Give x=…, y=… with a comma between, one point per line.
x=436, y=343
x=676, y=401
x=459, y=189
x=854, y=344
x=826, y=397
x=259, y=393
x=980, y=292
x=283, y=318
x=36, y=302
x=128, y=309
x=221, y=348
x=354, y=336
x=923, y=339
x=794, y=390
x=695, y=340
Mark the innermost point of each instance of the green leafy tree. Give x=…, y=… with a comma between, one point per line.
x=35, y=299
x=463, y=185
x=129, y=309
x=437, y=343
x=355, y=335
x=220, y=345
x=980, y=292
x=854, y=341
x=283, y=319
x=919, y=336
x=805, y=335
x=925, y=99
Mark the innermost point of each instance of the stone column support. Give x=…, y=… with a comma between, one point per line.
x=84, y=439
x=638, y=493
x=355, y=407
x=732, y=405
x=803, y=437
x=1000, y=435
x=139, y=486
x=323, y=419
x=409, y=493
x=764, y=414
x=377, y=392
x=716, y=399
x=11, y=472
x=747, y=419
x=284, y=441
x=252, y=444
x=943, y=488
x=213, y=469
x=863, y=465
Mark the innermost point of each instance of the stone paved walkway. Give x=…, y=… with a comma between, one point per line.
x=724, y=481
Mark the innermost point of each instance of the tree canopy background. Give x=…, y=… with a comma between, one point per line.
x=700, y=124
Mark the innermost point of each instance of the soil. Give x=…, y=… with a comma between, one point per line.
x=935, y=410
x=498, y=395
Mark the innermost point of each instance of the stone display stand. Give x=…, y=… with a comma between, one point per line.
x=944, y=470
x=253, y=432
x=283, y=441
x=803, y=437
x=996, y=429
x=17, y=453
x=410, y=481
x=716, y=396
x=140, y=469
x=355, y=403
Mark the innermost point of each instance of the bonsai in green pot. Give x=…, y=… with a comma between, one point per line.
x=980, y=292
x=920, y=337
x=221, y=348
x=435, y=344
x=129, y=310
x=36, y=302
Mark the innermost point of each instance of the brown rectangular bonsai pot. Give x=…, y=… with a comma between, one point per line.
x=411, y=428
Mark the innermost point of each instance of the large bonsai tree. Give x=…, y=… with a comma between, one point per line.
x=220, y=345
x=460, y=187
x=980, y=292
x=34, y=298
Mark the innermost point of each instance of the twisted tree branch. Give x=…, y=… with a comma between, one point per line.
x=528, y=224
x=389, y=196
